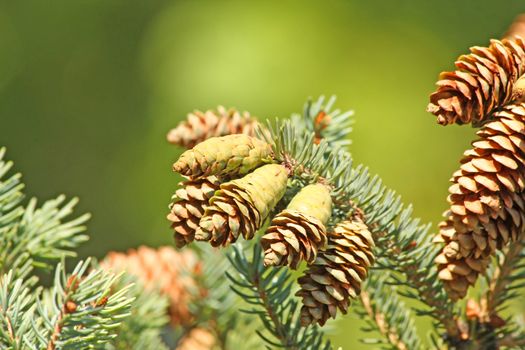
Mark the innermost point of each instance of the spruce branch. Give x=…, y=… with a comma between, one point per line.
x=10, y=195
x=403, y=243
x=269, y=291
x=504, y=280
x=16, y=312
x=506, y=277
x=387, y=314
x=81, y=310
x=325, y=123
x=31, y=236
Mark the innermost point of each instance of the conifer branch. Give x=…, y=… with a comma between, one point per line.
x=388, y=314
x=505, y=277
x=403, y=244
x=31, y=236
x=16, y=312
x=81, y=310
x=269, y=291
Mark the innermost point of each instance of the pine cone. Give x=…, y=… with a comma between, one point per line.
x=188, y=207
x=230, y=155
x=197, y=339
x=200, y=126
x=487, y=207
x=297, y=232
x=242, y=205
x=337, y=273
x=482, y=84
x=164, y=268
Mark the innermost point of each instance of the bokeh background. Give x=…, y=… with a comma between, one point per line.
x=89, y=88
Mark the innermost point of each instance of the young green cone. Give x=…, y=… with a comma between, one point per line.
x=188, y=207
x=230, y=155
x=336, y=275
x=297, y=232
x=241, y=206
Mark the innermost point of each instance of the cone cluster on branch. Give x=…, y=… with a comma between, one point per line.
x=233, y=187
x=200, y=126
x=338, y=272
x=297, y=233
x=482, y=83
x=187, y=208
x=165, y=269
x=487, y=209
x=231, y=155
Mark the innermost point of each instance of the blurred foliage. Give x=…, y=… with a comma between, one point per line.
x=89, y=88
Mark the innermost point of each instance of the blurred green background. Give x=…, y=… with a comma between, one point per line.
x=89, y=88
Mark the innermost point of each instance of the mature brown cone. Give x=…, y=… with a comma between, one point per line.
x=200, y=126
x=163, y=268
x=482, y=83
x=298, y=232
x=337, y=273
x=487, y=207
x=240, y=206
x=197, y=339
x=188, y=206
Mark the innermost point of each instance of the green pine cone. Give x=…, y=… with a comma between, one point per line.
x=313, y=200
x=241, y=206
x=230, y=155
x=297, y=233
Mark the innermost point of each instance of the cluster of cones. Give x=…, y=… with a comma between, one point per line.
x=487, y=208
x=233, y=186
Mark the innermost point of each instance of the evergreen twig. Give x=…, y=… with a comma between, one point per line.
x=269, y=291
x=388, y=314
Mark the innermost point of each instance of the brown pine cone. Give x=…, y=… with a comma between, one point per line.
x=457, y=272
x=163, y=268
x=188, y=206
x=482, y=83
x=487, y=207
x=200, y=126
x=337, y=273
x=197, y=339
x=296, y=233
x=240, y=206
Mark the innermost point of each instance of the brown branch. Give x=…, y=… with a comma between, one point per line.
x=384, y=328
